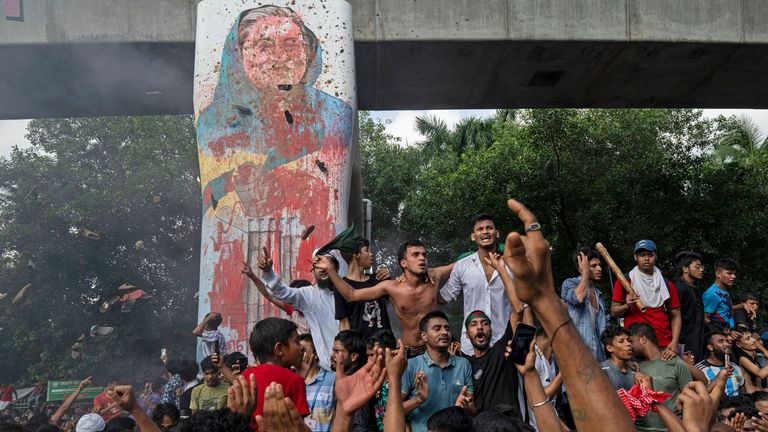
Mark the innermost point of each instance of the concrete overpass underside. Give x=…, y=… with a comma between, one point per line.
x=75, y=59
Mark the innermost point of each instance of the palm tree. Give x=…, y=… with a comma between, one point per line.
x=473, y=133
x=469, y=133
x=438, y=136
x=743, y=143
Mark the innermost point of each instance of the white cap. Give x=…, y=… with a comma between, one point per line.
x=90, y=423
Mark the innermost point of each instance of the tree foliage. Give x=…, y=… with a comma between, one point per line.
x=128, y=179
x=742, y=143
x=614, y=176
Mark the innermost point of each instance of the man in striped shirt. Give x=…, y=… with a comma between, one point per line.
x=718, y=348
x=209, y=334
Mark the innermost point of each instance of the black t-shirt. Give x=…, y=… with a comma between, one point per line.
x=365, y=317
x=692, y=314
x=494, y=378
x=186, y=398
x=741, y=316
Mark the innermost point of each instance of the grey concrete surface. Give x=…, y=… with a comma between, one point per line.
x=114, y=57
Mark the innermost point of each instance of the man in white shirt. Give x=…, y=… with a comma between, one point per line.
x=482, y=285
x=316, y=302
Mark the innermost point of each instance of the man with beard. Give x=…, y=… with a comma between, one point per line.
x=691, y=271
x=718, y=347
x=481, y=283
x=585, y=304
x=314, y=301
x=413, y=294
x=495, y=380
x=618, y=349
x=670, y=376
x=448, y=378
x=659, y=296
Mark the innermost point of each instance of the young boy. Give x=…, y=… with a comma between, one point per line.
x=618, y=351
x=275, y=344
x=208, y=331
x=212, y=395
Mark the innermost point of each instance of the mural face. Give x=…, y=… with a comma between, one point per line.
x=275, y=54
x=274, y=101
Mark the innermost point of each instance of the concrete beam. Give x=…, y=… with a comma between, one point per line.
x=116, y=57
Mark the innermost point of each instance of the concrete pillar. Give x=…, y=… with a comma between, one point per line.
x=275, y=114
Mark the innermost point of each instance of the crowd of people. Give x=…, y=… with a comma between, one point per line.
x=665, y=356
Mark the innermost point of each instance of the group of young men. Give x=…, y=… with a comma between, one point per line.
x=350, y=373
x=669, y=333
x=663, y=329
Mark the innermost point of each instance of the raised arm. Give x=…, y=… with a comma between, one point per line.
x=124, y=397
x=395, y=363
x=356, y=390
x=350, y=294
x=198, y=331
x=594, y=403
x=260, y=286
x=226, y=372
x=497, y=262
x=56, y=417
x=441, y=274
x=543, y=411
x=581, y=289
x=275, y=286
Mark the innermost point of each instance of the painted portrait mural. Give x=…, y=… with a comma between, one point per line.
x=275, y=116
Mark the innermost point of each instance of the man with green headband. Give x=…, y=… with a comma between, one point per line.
x=495, y=380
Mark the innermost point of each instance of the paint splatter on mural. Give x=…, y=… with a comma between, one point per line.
x=274, y=146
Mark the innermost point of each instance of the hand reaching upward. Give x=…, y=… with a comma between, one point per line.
x=354, y=391
x=265, y=260
x=528, y=258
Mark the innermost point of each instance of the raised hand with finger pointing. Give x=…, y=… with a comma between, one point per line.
x=265, y=260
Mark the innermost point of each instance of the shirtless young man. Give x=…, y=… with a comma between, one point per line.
x=413, y=294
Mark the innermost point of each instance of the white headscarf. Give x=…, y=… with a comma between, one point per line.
x=335, y=253
x=651, y=289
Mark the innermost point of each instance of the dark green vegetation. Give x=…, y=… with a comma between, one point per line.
x=99, y=174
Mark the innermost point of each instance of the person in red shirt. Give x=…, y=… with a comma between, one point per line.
x=657, y=293
x=7, y=395
x=275, y=344
x=105, y=406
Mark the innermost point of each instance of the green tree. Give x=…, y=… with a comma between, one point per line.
x=742, y=143
x=614, y=176
x=389, y=170
x=129, y=179
x=469, y=133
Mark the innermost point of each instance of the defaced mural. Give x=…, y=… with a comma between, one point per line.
x=274, y=100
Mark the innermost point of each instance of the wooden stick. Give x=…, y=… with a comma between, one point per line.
x=619, y=275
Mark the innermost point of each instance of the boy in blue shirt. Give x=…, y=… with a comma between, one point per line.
x=717, y=299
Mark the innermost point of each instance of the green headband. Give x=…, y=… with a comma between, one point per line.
x=473, y=315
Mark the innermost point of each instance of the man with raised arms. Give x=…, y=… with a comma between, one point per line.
x=413, y=294
x=480, y=282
